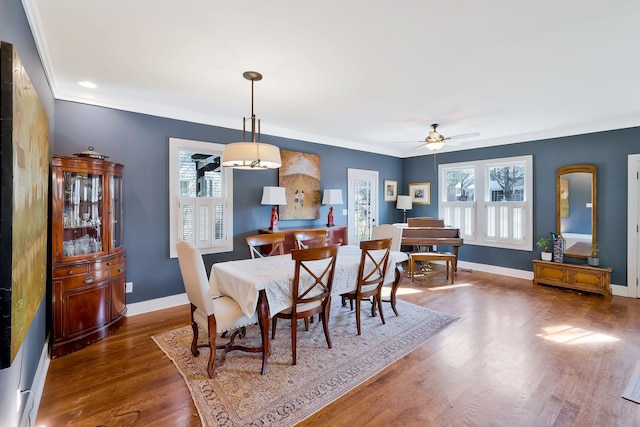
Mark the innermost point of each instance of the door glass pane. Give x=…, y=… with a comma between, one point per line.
x=116, y=214
x=82, y=214
x=362, y=207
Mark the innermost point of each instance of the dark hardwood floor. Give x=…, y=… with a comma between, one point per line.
x=520, y=355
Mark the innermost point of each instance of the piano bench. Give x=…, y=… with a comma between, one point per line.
x=448, y=257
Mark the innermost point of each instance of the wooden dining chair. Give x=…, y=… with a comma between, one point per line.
x=214, y=313
x=374, y=261
x=310, y=290
x=388, y=231
x=305, y=239
x=255, y=243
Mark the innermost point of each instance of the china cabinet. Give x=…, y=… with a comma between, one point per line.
x=88, y=256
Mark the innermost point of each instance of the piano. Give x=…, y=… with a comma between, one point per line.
x=430, y=232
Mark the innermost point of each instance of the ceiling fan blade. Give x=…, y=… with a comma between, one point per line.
x=464, y=135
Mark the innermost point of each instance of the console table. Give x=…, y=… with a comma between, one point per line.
x=335, y=235
x=573, y=276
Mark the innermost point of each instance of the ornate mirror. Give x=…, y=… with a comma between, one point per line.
x=576, y=209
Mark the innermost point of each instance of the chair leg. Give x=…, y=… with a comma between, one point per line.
x=212, y=332
x=194, y=343
x=358, y=301
x=294, y=338
x=194, y=328
x=325, y=320
x=378, y=298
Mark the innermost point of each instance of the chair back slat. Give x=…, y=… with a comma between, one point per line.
x=313, y=275
x=374, y=261
x=305, y=239
x=255, y=243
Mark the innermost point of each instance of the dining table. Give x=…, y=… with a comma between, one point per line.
x=263, y=285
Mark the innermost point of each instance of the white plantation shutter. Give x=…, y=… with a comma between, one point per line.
x=201, y=221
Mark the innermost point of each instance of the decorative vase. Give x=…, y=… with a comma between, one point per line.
x=593, y=261
x=546, y=256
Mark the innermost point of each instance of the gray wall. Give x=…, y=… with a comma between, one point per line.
x=141, y=143
x=607, y=150
x=14, y=29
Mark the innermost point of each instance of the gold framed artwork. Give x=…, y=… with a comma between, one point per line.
x=300, y=176
x=390, y=190
x=24, y=144
x=420, y=193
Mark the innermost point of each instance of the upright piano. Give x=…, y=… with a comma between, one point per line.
x=430, y=232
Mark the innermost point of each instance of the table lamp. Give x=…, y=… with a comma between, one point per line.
x=331, y=196
x=274, y=196
x=404, y=203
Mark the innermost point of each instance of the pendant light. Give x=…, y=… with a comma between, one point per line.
x=254, y=154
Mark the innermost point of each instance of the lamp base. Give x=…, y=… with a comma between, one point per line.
x=331, y=225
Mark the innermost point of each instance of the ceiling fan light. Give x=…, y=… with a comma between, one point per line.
x=433, y=146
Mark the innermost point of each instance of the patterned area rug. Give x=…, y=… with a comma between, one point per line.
x=287, y=394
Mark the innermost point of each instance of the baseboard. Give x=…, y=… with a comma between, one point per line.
x=143, y=307
x=494, y=269
x=37, y=387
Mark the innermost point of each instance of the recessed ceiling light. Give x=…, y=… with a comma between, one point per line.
x=87, y=84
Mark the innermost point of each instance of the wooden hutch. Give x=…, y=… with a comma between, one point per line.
x=88, y=256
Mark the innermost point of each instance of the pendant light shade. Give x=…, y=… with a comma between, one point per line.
x=251, y=155
x=254, y=154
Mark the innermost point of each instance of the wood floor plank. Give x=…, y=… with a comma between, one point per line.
x=519, y=355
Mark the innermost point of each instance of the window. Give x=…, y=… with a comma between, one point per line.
x=490, y=201
x=200, y=197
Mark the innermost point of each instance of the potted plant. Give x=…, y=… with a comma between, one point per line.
x=544, y=244
x=593, y=260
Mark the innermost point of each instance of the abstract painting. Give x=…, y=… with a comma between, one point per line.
x=24, y=193
x=300, y=175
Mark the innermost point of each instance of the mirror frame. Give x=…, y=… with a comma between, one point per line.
x=585, y=168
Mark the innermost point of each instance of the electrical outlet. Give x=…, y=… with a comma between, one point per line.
x=128, y=287
x=344, y=212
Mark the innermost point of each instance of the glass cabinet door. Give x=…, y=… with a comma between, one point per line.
x=82, y=214
x=116, y=211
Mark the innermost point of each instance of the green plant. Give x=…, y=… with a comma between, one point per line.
x=544, y=244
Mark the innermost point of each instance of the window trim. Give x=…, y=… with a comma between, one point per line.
x=482, y=194
x=175, y=146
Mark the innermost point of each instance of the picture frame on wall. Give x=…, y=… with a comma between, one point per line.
x=420, y=193
x=390, y=190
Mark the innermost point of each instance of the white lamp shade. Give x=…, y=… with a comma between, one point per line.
x=332, y=196
x=433, y=146
x=251, y=155
x=274, y=196
x=404, y=202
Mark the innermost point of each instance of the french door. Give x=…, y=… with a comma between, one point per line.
x=362, y=204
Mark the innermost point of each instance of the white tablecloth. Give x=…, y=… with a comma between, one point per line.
x=242, y=280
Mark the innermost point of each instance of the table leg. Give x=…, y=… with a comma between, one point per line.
x=263, y=320
x=455, y=263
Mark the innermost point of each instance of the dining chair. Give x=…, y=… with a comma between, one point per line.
x=214, y=313
x=374, y=260
x=310, y=290
x=255, y=243
x=388, y=231
x=305, y=239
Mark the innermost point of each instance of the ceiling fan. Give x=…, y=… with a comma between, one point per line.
x=435, y=140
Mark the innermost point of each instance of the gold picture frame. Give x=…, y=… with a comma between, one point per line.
x=420, y=193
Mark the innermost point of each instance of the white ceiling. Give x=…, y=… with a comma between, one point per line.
x=362, y=74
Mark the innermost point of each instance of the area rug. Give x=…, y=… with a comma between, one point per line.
x=287, y=394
